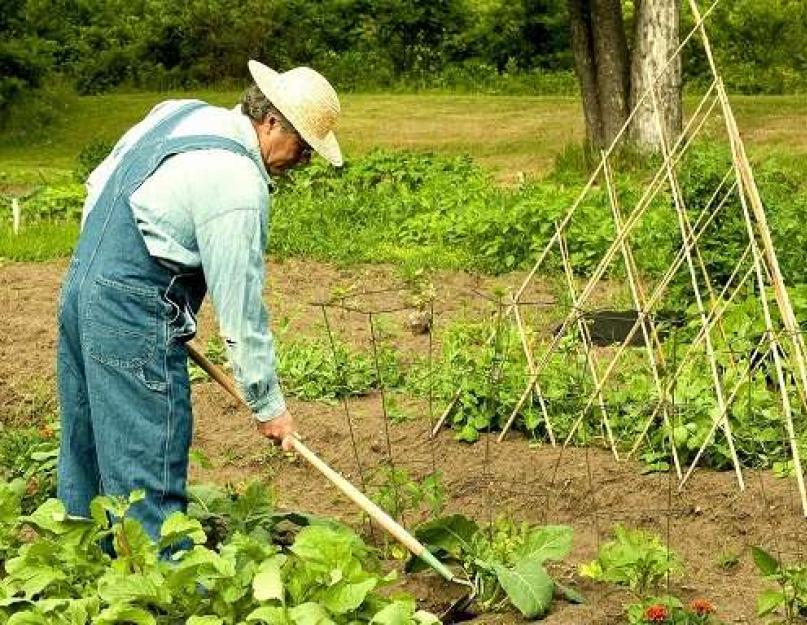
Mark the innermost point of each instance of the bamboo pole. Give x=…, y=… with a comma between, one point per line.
x=531, y=368
x=591, y=360
x=788, y=413
x=684, y=140
x=701, y=225
x=680, y=209
x=652, y=301
x=639, y=304
x=714, y=314
x=746, y=174
x=721, y=416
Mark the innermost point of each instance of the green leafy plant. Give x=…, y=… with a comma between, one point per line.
x=399, y=494
x=60, y=574
x=636, y=559
x=505, y=563
x=790, y=596
x=312, y=369
x=30, y=454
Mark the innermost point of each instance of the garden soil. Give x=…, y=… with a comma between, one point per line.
x=590, y=491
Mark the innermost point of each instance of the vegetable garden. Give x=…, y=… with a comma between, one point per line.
x=605, y=423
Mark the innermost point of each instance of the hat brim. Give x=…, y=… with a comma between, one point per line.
x=268, y=82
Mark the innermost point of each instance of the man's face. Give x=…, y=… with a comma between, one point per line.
x=281, y=147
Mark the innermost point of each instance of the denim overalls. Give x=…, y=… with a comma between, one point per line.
x=124, y=318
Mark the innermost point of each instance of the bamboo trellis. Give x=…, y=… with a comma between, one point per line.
x=757, y=268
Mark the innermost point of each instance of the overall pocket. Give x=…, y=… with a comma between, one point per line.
x=121, y=323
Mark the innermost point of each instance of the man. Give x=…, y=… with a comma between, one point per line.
x=177, y=209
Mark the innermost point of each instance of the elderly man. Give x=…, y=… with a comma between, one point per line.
x=177, y=209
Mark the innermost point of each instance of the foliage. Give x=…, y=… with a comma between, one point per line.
x=429, y=211
x=742, y=34
x=29, y=456
x=313, y=369
x=636, y=559
x=790, y=595
x=505, y=563
x=89, y=157
x=395, y=491
x=60, y=572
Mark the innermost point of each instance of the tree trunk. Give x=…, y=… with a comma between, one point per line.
x=656, y=39
x=583, y=50
x=601, y=61
x=611, y=48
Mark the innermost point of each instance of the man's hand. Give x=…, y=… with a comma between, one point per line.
x=280, y=429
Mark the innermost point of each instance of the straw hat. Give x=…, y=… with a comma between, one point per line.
x=307, y=100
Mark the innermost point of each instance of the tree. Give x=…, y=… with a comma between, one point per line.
x=655, y=41
x=612, y=79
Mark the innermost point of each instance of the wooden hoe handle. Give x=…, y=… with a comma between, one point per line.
x=389, y=524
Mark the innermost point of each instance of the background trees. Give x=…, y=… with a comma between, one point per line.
x=97, y=45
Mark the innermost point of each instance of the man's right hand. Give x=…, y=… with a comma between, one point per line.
x=280, y=430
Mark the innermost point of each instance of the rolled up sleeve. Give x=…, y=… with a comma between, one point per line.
x=231, y=245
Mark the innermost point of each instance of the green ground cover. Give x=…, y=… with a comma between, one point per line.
x=506, y=134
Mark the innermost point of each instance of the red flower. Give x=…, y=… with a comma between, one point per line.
x=702, y=607
x=656, y=613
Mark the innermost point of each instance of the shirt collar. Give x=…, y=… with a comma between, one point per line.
x=247, y=131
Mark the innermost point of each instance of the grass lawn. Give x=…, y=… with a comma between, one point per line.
x=507, y=134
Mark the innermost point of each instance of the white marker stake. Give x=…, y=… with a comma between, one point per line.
x=15, y=211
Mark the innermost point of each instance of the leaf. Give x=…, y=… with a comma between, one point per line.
x=528, y=586
x=345, y=597
x=32, y=578
x=551, y=542
x=122, y=613
x=29, y=617
x=468, y=434
x=570, y=594
x=768, y=601
x=50, y=516
x=327, y=548
x=121, y=588
x=179, y=526
x=396, y=613
x=310, y=614
x=766, y=563
x=268, y=584
x=204, y=620
x=453, y=533
x=269, y=615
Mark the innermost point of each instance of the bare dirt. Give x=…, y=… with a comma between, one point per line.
x=591, y=491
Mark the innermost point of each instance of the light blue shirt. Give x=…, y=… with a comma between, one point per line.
x=209, y=209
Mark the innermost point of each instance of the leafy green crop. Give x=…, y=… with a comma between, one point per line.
x=505, y=563
x=636, y=559
x=57, y=572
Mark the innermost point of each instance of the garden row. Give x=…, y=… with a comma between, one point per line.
x=422, y=210
x=237, y=559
